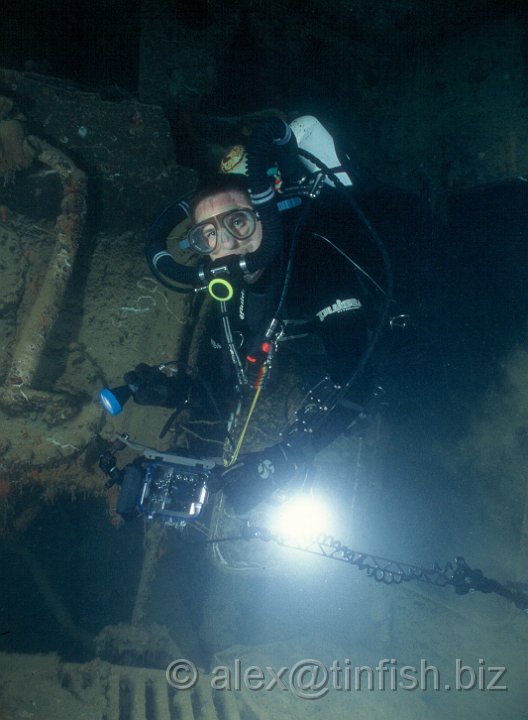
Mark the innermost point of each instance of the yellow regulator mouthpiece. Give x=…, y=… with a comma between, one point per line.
x=220, y=289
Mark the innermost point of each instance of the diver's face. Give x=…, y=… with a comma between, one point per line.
x=226, y=243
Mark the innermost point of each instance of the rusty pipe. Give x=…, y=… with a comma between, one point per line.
x=68, y=228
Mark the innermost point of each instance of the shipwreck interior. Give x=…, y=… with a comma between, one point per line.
x=110, y=111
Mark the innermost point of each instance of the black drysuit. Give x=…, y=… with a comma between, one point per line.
x=330, y=306
x=330, y=310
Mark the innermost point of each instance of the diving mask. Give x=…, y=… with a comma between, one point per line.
x=240, y=223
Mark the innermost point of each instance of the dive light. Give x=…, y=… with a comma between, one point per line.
x=114, y=399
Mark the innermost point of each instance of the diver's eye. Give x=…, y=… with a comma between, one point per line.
x=209, y=235
x=240, y=223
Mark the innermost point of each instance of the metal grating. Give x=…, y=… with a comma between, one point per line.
x=52, y=690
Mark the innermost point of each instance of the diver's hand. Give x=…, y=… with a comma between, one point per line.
x=256, y=476
x=107, y=462
x=150, y=386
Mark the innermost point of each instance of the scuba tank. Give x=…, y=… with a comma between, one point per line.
x=314, y=140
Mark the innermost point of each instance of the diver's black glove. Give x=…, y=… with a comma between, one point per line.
x=256, y=476
x=108, y=464
x=150, y=386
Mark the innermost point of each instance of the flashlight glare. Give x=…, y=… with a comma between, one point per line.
x=302, y=518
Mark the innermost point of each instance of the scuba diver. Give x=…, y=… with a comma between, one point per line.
x=274, y=251
x=279, y=267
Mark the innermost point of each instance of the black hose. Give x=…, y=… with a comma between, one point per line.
x=331, y=173
x=271, y=131
x=301, y=221
x=160, y=261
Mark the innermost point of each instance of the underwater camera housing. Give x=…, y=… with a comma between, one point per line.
x=173, y=493
x=164, y=486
